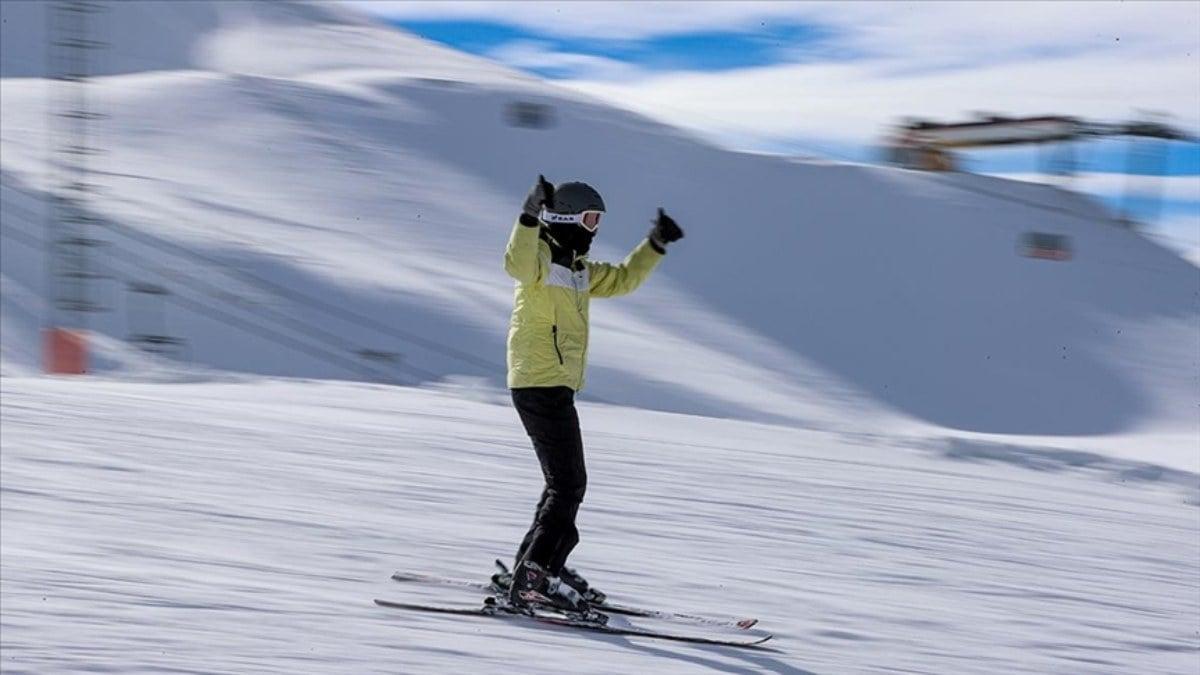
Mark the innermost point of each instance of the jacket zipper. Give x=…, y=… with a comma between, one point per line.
x=579, y=299
x=554, y=333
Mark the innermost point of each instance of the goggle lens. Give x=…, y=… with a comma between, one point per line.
x=589, y=220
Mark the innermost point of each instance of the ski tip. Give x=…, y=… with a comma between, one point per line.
x=758, y=643
x=746, y=623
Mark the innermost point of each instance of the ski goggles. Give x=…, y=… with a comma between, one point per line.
x=588, y=220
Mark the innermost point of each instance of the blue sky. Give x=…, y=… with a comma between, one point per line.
x=709, y=50
x=822, y=78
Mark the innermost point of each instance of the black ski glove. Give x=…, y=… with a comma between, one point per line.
x=541, y=194
x=665, y=231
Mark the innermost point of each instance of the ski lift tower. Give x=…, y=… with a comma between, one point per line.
x=70, y=276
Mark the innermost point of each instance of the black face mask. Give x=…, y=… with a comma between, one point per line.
x=567, y=240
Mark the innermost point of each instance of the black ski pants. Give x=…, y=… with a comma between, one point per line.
x=549, y=416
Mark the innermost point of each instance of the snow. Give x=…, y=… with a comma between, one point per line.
x=804, y=292
x=843, y=402
x=245, y=527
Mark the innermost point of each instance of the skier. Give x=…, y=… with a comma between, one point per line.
x=547, y=354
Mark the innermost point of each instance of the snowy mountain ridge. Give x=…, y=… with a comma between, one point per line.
x=377, y=175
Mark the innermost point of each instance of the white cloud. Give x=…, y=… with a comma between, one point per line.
x=857, y=101
x=541, y=56
x=943, y=32
x=609, y=20
x=949, y=33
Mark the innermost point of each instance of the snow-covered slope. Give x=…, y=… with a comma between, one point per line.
x=245, y=528
x=347, y=189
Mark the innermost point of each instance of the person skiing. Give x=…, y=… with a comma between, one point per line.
x=547, y=356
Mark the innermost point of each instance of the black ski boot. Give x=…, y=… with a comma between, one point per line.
x=532, y=586
x=569, y=576
x=527, y=584
x=562, y=595
x=502, y=581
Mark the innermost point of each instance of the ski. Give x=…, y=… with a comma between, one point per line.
x=493, y=609
x=607, y=605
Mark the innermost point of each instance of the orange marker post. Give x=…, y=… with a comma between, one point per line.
x=64, y=351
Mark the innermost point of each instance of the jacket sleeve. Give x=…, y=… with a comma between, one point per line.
x=521, y=259
x=608, y=280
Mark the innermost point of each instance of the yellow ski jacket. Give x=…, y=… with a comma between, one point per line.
x=548, y=333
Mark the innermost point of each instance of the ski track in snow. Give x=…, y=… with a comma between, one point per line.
x=245, y=527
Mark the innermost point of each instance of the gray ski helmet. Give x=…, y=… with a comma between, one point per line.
x=572, y=198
